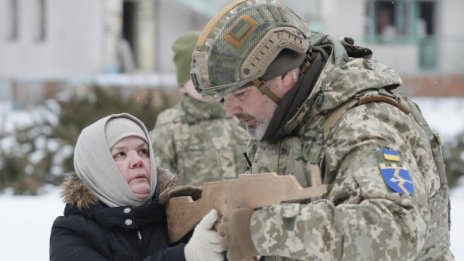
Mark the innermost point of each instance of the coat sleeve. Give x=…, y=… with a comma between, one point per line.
x=360, y=218
x=162, y=139
x=68, y=244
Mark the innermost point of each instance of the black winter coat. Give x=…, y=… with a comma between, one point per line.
x=90, y=231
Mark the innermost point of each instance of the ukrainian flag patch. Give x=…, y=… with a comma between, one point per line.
x=395, y=175
x=391, y=155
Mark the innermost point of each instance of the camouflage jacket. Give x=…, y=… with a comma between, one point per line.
x=195, y=140
x=364, y=215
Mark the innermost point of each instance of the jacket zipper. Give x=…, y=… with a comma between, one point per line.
x=139, y=244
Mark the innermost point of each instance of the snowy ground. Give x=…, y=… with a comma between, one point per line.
x=26, y=220
x=26, y=223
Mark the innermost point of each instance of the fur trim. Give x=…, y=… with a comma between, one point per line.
x=167, y=179
x=76, y=193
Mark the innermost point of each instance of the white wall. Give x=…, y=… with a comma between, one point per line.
x=402, y=58
x=451, y=18
x=348, y=18
x=451, y=31
x=175, y=20
x=72, y=46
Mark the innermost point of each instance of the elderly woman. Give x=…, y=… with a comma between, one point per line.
x=112, y=210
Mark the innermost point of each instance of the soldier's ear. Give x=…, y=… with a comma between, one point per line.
x=182, y=89
x=289, y=79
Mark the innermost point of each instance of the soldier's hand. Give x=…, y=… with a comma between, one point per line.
x=179, y=191
x=235, y=229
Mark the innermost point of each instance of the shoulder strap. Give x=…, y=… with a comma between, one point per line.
x=333, y=118
x=434, y=138
x=325, y=129
x=439, y=203
x=403, y=104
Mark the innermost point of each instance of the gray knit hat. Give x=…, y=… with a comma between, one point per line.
x=117, y=129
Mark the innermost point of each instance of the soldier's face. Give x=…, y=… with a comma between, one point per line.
x=253, y=108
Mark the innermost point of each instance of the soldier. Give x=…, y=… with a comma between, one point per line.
x=317, y=105
x=195, y=139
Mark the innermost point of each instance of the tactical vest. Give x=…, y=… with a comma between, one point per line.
x=438, y=231
x=439, y=205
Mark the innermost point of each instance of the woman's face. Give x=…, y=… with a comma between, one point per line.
x=131, y=154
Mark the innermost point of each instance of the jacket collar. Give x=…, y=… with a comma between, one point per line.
x=341, y=79
x=81, y=201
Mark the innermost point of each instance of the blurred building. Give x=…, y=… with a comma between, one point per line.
x=55, y=43
x=422, y=39
x=51, y=43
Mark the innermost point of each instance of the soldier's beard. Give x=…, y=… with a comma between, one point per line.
x=257, y=130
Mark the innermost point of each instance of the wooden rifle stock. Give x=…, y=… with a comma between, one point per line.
x=247, y=191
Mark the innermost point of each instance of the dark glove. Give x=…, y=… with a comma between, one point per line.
x=179, y=191
x=355, y=50
x=235, y=229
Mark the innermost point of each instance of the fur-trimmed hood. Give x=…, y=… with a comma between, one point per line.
x=74, y=191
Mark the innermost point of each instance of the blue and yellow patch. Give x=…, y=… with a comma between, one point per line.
x=391, y=155
x=395, y=175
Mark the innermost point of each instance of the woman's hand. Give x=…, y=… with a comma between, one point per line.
x=205, y=243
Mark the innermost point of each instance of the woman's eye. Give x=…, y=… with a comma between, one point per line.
x=143, y=152
x=119, y=155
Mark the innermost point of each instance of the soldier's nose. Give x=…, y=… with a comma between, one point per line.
x=231, y=105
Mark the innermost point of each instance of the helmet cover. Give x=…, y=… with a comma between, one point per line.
x=239, y=44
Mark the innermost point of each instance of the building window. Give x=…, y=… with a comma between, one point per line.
x=426, y=18
x=400, y=21
x=386, y=27
x=404, y=21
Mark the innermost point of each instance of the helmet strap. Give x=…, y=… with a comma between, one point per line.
x=266, y=91
x=304, y=67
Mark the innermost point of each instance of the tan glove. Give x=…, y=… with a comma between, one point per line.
x=179, y=191
x=235, y=229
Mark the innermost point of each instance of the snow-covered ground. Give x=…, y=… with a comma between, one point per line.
x=26, y=220
x=26, y=223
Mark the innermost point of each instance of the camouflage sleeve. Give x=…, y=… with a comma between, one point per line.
x=360, y=218
x=164, y=146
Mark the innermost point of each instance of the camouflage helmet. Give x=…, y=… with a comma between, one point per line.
x=239, y=44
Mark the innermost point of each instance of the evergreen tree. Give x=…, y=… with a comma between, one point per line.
x=454, y=159
x=42, y=152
